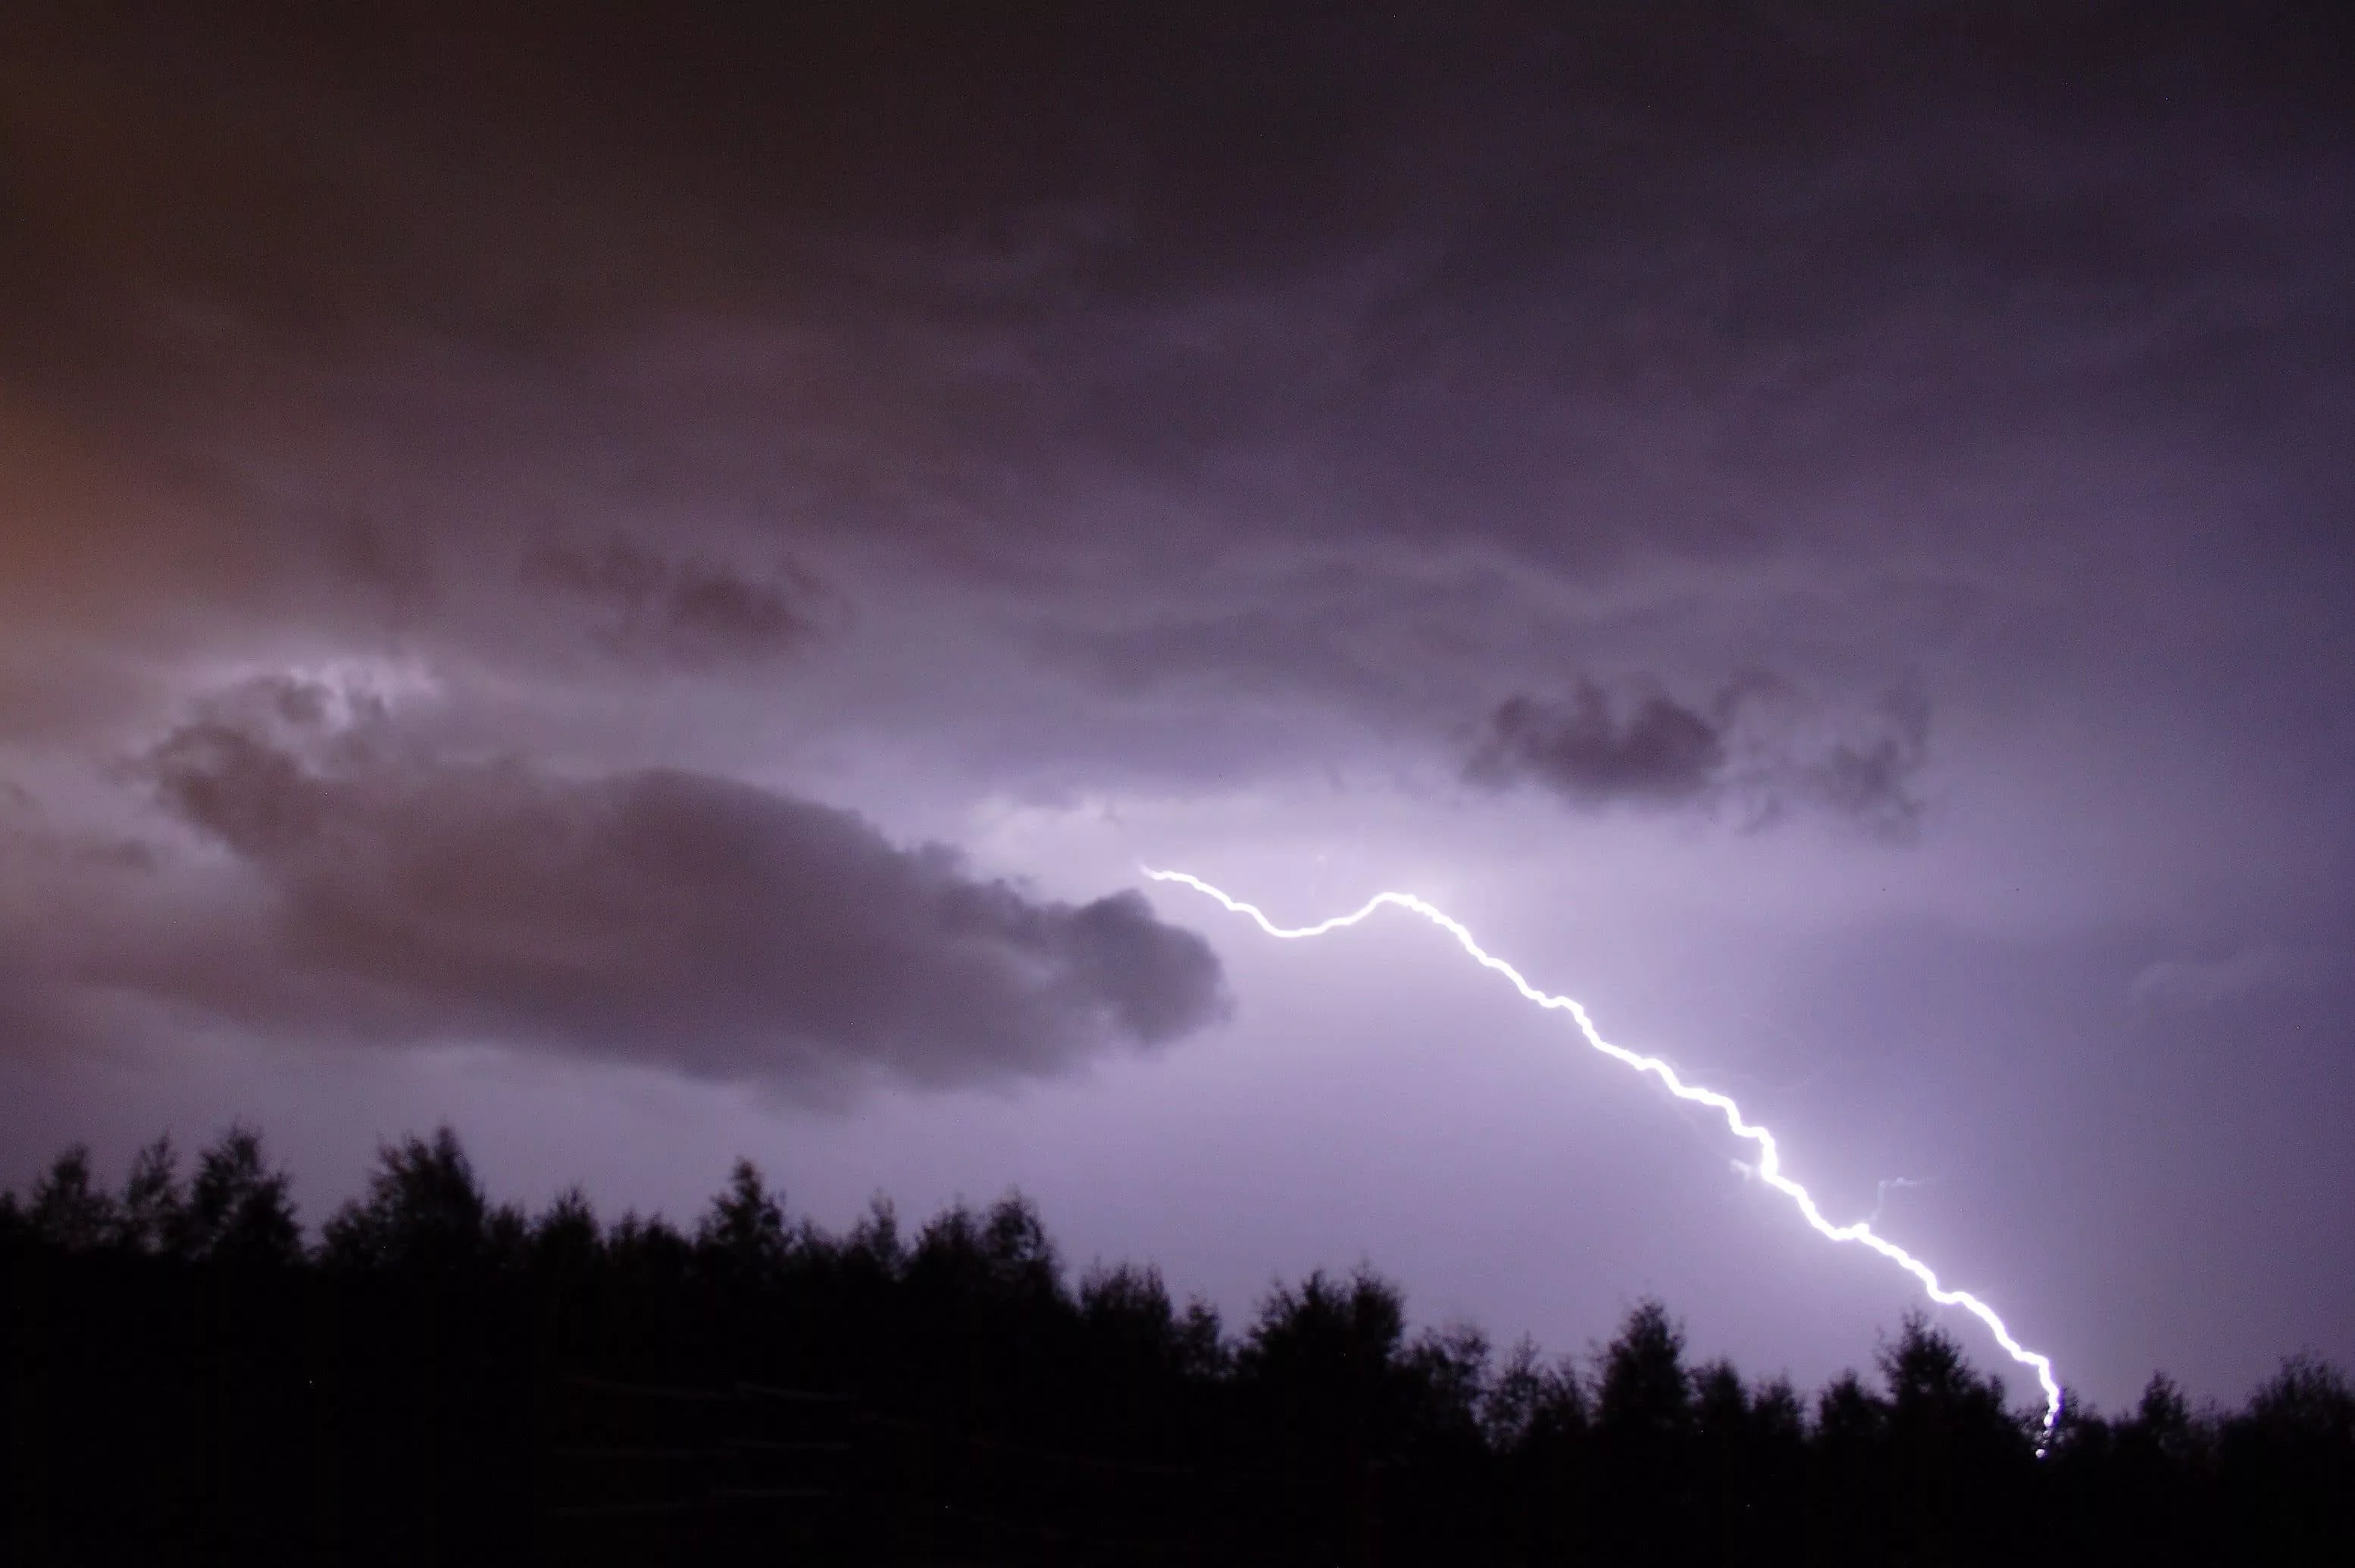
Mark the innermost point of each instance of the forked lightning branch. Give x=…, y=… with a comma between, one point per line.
x=1769, y=1167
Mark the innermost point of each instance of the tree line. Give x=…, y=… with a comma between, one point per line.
x=188, y=1377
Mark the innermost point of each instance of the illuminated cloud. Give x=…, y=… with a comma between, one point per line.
x=656, y=916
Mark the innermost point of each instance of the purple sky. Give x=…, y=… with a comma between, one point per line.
x=641, y=583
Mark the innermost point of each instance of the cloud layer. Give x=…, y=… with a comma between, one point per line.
x=654, y=916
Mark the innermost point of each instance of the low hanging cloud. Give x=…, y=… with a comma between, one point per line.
x=1754, y=749
x=660, y=916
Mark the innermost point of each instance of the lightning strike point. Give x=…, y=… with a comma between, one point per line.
x=1769, y=1166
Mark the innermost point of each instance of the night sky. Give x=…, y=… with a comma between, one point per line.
x=642, y=580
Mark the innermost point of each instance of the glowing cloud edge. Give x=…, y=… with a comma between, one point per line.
x=1769, y=1168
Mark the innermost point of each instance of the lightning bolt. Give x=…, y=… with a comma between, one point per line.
x=1769, y=1168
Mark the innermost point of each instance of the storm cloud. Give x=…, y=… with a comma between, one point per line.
x=691, y=613
x=1751, y=749
x=326, y=326
x=1662, y=752
x=658, y=916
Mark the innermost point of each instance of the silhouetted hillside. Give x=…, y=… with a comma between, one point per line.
x=443, y=1378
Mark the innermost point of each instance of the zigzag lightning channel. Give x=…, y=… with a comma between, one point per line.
x=1769, y=1155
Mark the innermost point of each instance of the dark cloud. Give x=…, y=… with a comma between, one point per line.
x=1662, y=752
x=325, y=319
x=1870, y=780
x=339, y=311
x=1757, y=748
x=657, y=915
x=1442, y=244
x=688, y=612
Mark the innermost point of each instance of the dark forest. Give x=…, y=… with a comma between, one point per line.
x=441, y=1378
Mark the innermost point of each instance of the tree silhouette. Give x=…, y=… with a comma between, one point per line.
x=744, y=1232
x=1953, y=1446
x=2289, y=1462
x=874, y=1246
x=424, y=1212
x=68, y=1209
x=1537, y=1417
x=150, y=1217
x=1644, y=1429
x=648, y=1253
x=1748, y=1452
x=1849, y=1417
x=1447, y=1374
x=1321, y=1391
x=1643, y=1397
x=1131, y=1319
x=2307, y=1402
x=1001, y=1254
x=238, y=1209
x=446, y=1377
x=567, y=1243
x=1324, y=1353
x=2149, y=1480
